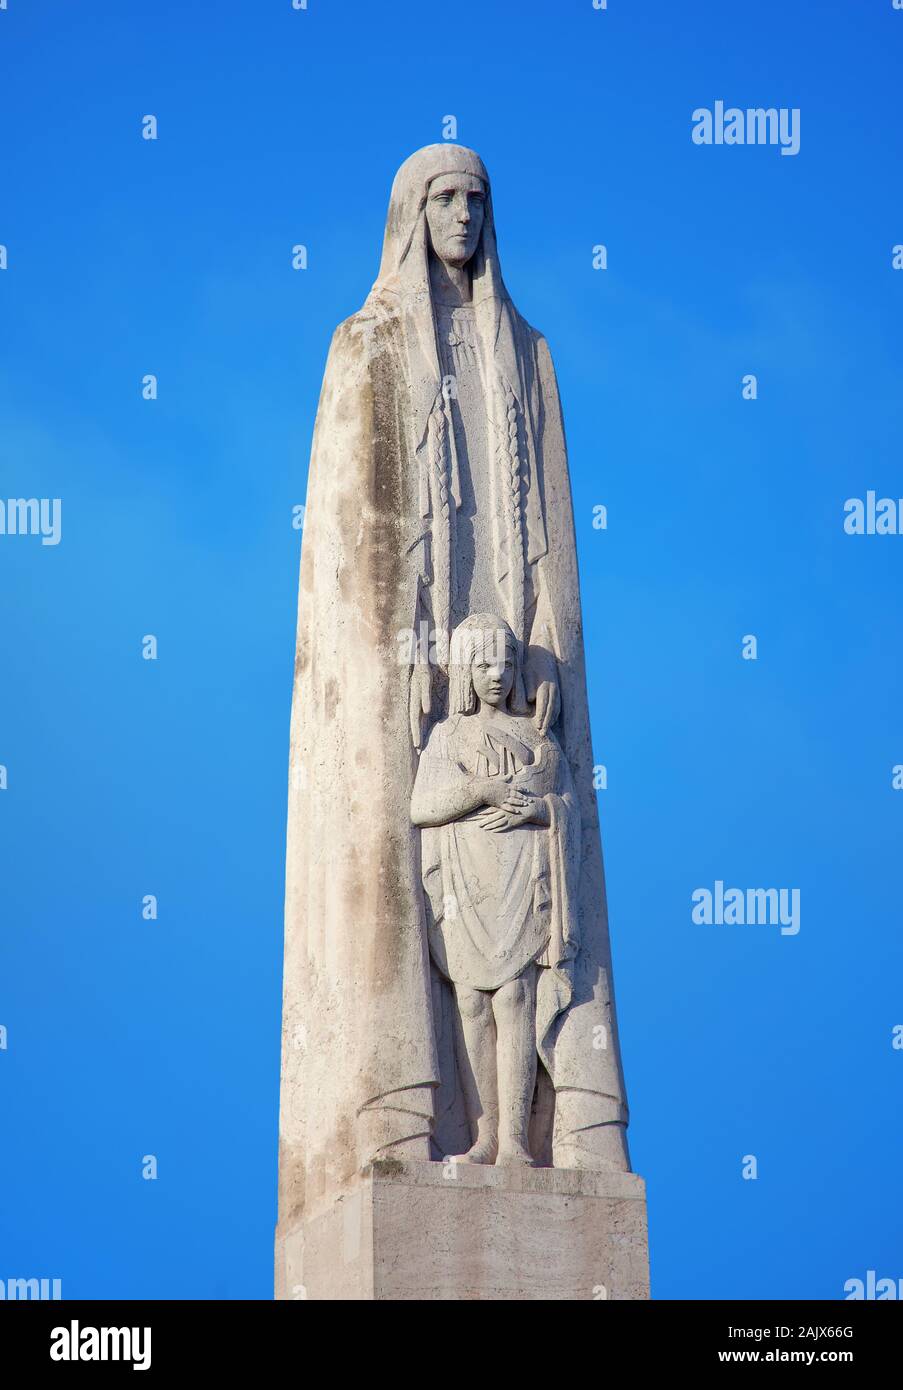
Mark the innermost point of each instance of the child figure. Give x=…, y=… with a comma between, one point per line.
x=500, y=837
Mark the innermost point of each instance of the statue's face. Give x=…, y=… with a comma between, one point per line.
x=454, y=215
x=493, y=670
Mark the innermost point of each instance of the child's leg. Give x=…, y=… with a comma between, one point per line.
x=477, y=1069
x=514, y=1006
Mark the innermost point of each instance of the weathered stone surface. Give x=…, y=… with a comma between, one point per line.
x=406, y=1231
x=447, y=985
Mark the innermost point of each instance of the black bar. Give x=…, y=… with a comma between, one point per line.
x=262, y=1338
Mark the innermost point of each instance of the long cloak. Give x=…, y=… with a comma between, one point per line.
x=360, y=1063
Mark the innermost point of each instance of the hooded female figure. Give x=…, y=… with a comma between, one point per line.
x=438, y=487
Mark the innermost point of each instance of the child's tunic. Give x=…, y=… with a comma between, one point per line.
x=496, y=897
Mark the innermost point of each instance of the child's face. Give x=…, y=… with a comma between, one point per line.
x=493, y=670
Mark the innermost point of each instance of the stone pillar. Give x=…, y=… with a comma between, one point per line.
x=448, y=983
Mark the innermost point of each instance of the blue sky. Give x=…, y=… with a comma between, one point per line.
x=128, y=777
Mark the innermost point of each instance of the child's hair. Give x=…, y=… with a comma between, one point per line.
x=480, y=632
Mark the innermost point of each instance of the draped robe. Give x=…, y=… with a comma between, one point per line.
x=498, y=902
x=361, y=1067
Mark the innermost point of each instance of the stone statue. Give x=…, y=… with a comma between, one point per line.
x=447, y=976
x=500, y=847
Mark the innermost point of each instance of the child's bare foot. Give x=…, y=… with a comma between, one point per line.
x=513, y=1151
x=483, y=1151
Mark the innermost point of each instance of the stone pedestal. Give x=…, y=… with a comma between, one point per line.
x=429, y=1231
